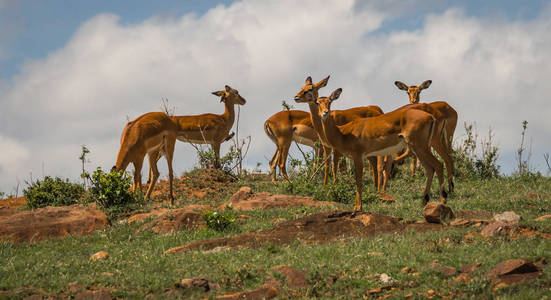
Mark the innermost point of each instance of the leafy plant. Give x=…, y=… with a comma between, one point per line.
x=84, y=175
x=52, y=192
x=471, y=164
x=219, y=221
x=111, y=189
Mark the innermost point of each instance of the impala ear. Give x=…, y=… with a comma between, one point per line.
x=425, y=84
x=401, y=85
x=308, y=80
x=322, y=82
x=219, y=93
x=228, y=88
x=335, y=94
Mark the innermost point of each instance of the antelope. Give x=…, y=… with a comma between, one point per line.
x=446, y=117
x=406, y=130
x=153, y=134
x=310, y=87
x=296, y=125
x=211, y=128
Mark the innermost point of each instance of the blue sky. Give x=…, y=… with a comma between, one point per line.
x=72, y=72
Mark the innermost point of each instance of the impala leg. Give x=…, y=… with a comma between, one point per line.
x=358, y=174
x=273, y=165
x=413, y=165
x=387, y=169
x=154, y=174
x=326, y=155
x=374, y=162
x=216, y=149
x=137, y=183
x=448, y=161
x=432, y=165
x=286, y=145
x=336, y=160
x=169, y=153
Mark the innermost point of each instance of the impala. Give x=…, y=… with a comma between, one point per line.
x=210, y=128
x=153, y=134
x=296, y=125
x=445, y=115
x=316, y=121
x=384, y=135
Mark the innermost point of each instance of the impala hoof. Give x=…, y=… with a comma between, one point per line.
x=426, y=199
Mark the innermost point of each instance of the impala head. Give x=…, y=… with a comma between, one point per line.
x=309, y=92
x=230, y=96
x=413, y=91
x=324, y=103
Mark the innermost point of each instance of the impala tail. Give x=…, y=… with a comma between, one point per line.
x=269, y=132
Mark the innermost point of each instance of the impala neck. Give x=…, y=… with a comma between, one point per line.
x=332, y=133
x=316, y=122
x=229, y=113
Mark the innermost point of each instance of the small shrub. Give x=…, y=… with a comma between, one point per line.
x=219, y=221
x=52, y=192
x=472, y=165
x=111, y=189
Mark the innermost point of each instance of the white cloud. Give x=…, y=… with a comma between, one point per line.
x=493, y=72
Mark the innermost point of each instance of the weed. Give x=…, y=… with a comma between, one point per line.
x=52, y=192
x=219, y=221
x=468, y=163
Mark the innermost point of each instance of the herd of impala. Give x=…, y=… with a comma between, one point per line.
x=356, y=133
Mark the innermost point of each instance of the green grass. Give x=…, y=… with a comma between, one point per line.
x=140, y=266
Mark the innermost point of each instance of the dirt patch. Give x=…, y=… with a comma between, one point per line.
x=10, y=206
x=320, y=227
x=245, y=199
x=51, y=222
x=198, y=184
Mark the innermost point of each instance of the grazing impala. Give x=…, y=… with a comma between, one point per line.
x=445, y=115
x=208, y=128
x=344, y=118
x=296, y=125
x=382, y=135
x=153, y=133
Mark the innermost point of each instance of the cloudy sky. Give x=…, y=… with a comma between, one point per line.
x=71, y=73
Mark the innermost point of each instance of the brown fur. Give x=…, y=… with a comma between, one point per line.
x=152, y=133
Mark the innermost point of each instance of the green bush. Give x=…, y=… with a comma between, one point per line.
x=219, y=221
x=52, y=192
x=111, y=189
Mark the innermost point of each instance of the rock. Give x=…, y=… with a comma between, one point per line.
x=99, y=255
x=512, y=266
x=268, y=290
x=508, y=216
x=499, y=228
x=377, y=290
x=50, y=223
x=10, y=206
x=176, y=220
x=295, y=279
x=384, y=278
x=462, y=278
x=143, y=216
x=469, y=268
x=543, y=218
x=202, y=283
x=74, y=288
x=446, y=270
x=244, y=199
x=437, y=213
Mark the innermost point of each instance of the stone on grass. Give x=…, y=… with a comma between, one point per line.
x=50, y=223
x=437, y=213
x=245, y=199
x=462, y=278
x=99, y=255
x=499, y=228
x=202, y=283
x=513, y=271
x=508, y=216
x=469, y=268
x=446, y=270
x=101, y=294
x=268, y=290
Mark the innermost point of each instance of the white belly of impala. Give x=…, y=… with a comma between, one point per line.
x=302, y=140
x=183, y=139
x=401, y=146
